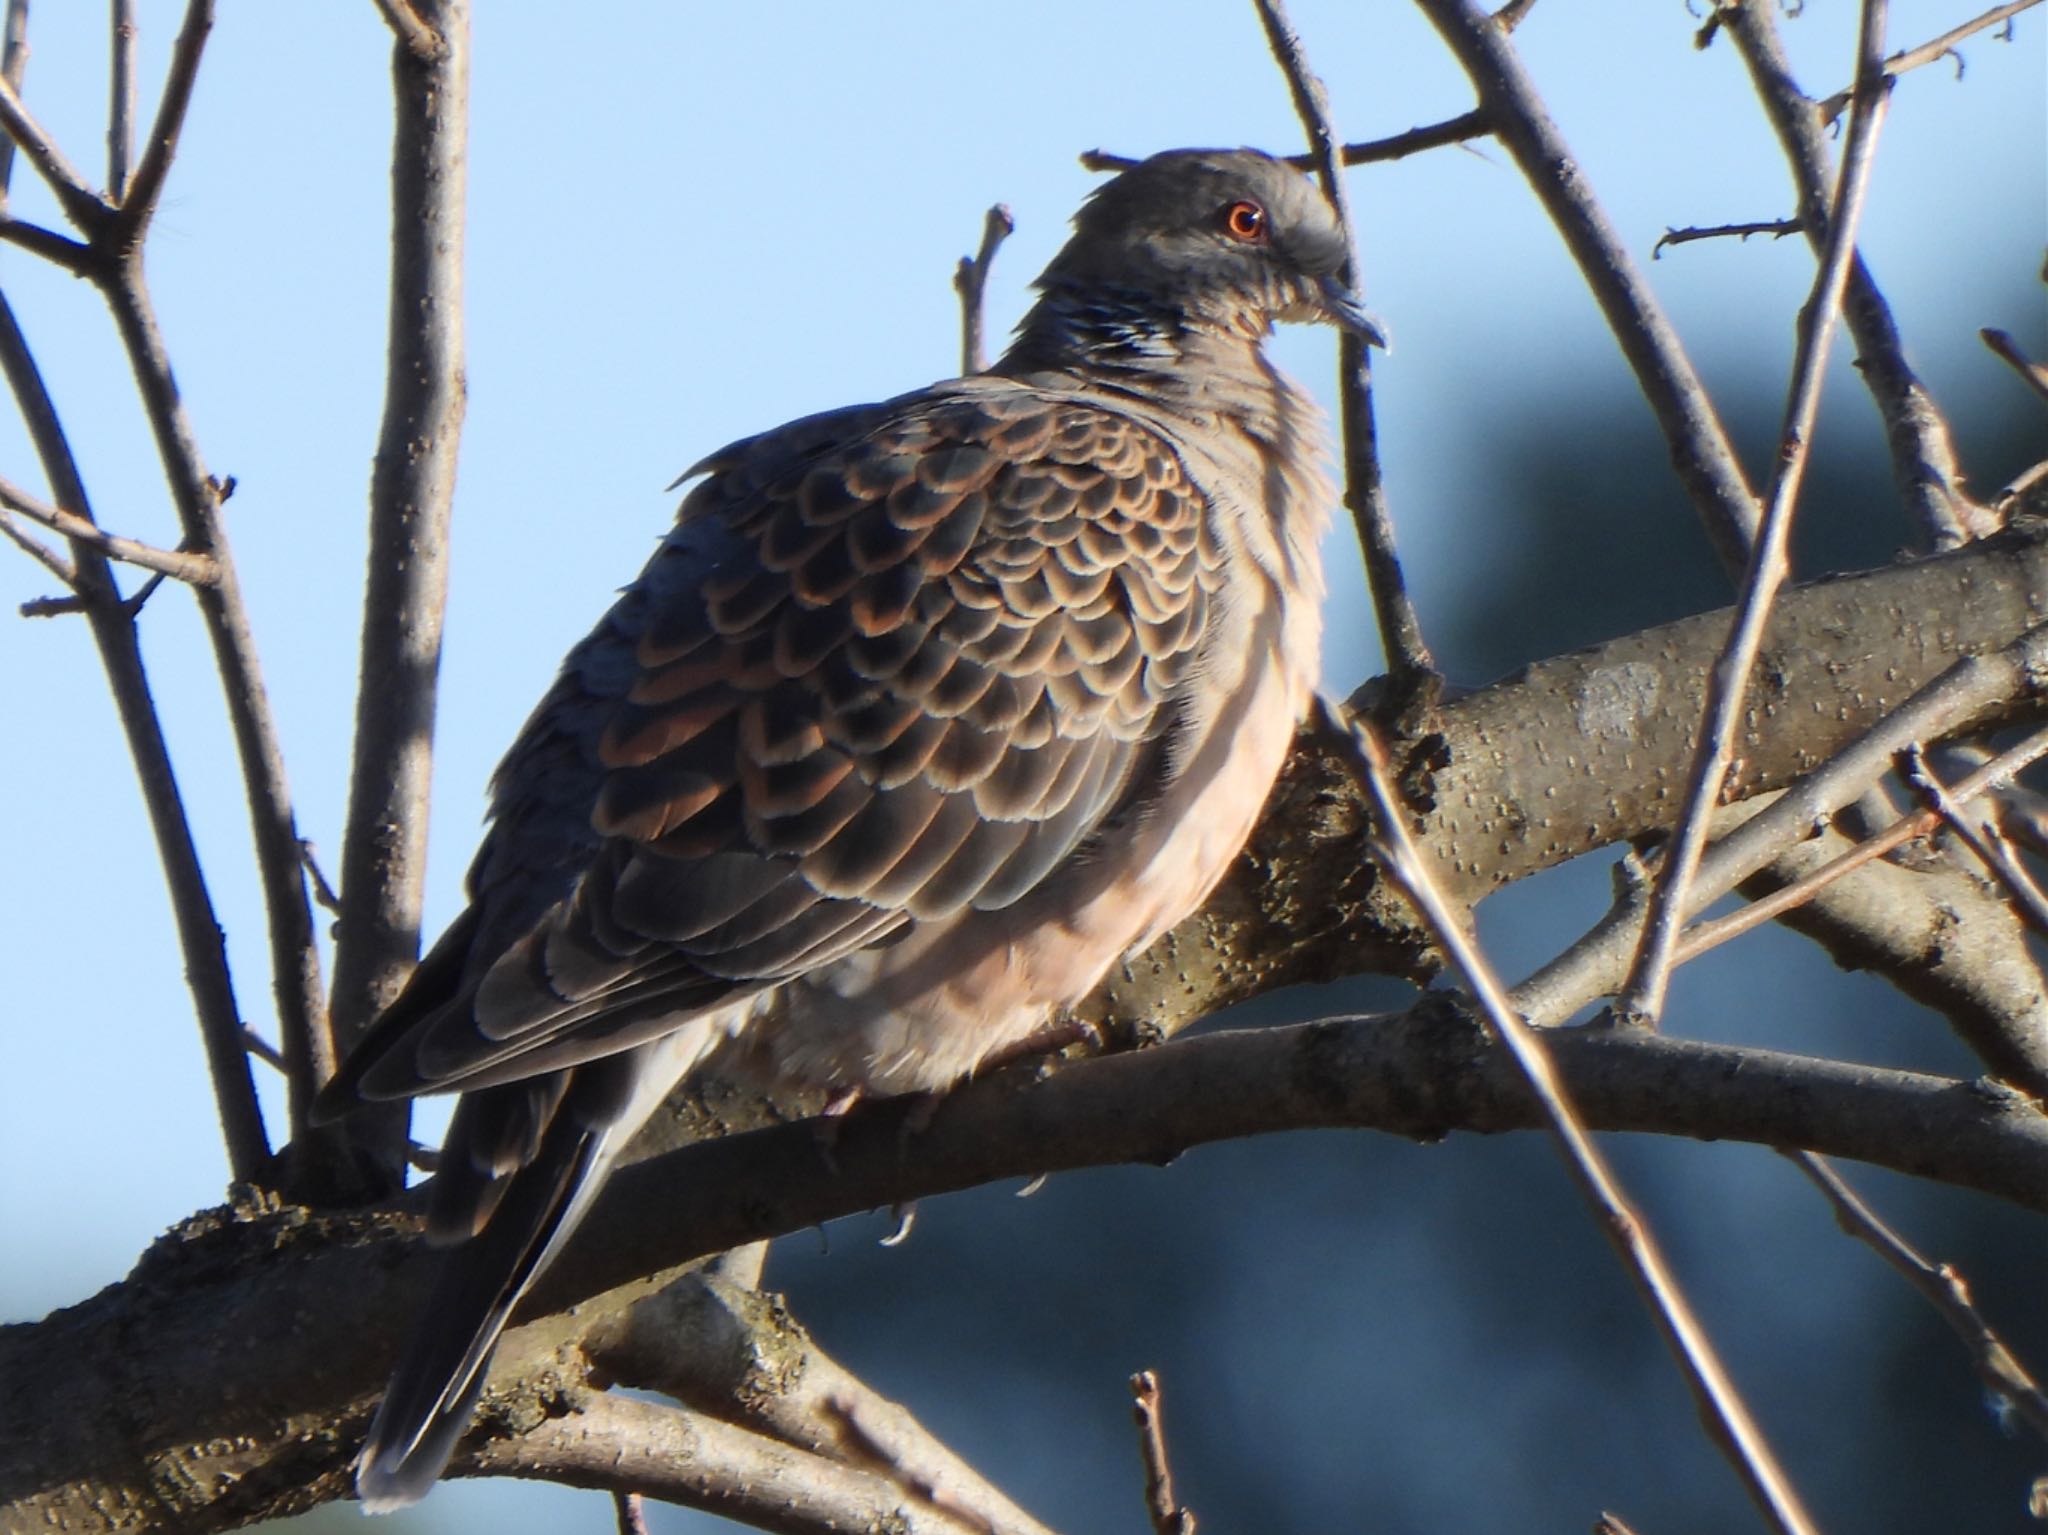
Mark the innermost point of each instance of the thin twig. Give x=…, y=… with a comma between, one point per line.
x=1611, y=1524
x=81, y=204
x=13, y=64
x=2032, y=374
x=262, y=1049
x=1721, y=1406
x=1777, y=229
x=1408, y=660
x=1924, y=463
x=1985, y=840
x=412, y=32
x=323, y=893
x=1702, y=936
x=147, y=187
x=294, y=958
x=1728, y=684
x=200, y=936
x=197, y=569
x=38, y=551
x=1168, y=1517
x=121, y=99
x=1912, y=58
x=412, y=492
x=970, y=281
x=2002, y=1374
x=631, y=1511
x=1706, y=461
x=1461, y=129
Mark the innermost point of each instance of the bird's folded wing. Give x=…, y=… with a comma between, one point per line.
x=873, y=678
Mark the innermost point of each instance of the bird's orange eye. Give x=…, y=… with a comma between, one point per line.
x=1245, y=221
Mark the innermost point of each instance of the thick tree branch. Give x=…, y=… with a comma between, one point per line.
x=265, y=1336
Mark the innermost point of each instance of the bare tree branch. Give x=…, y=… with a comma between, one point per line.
x=147, y=188
x=113, y=627
x=1912, y=58
x=1728, y=1419
x=196, y=569
x=1777, y=229
x=81, y=204
x=411, y=30
x=617, y=1444
x=1409, y=664
x=295, y=962
x=1924, y=464
x=1985, y=840
x=970, y=281
x=122, y=33
x=1642, y=998
x=1700, y=450
x=2004, y=1377
x=720, y=1347
x=412, y=492
x=1168, y=1517
x=314, y=1288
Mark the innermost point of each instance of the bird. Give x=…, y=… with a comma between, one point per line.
x=923, y=715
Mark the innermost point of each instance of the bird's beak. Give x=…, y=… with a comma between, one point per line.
x=1343, y=308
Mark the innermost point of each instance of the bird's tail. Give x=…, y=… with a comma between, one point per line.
x=524, y=1221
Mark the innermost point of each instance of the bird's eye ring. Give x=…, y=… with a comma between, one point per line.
x=1245, y=221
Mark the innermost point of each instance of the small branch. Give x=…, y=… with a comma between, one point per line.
x=1168, y=1517
x=1924, y=463
x=2032, y=374
x=412, y=32
x=81, y=204
x=618, y=1444
x=1777, y=229
x=262, y=1049
x=121, y=99
x=40, y=552
x=323, y=893
x=1704, y=458
x=1702, y=936
x=714, y=1343
x=1985, y=840
x=294, y=959
x=412, y=492
x=196, y=569
x=147, y=187
x=1912, y=58
x=13, y=65
x=970, y=281
x=200, y=937
x=1728, y=684
x=1461, y=129
x=61, y=250
x=1721, y=1407
x=1408, y=660
x=631, y=1512
x=2003, y=1376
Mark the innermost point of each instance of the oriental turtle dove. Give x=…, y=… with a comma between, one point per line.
x=922, y=716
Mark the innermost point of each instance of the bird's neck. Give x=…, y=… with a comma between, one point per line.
x=1132, y=342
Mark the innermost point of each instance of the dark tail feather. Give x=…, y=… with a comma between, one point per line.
x=441, y=1373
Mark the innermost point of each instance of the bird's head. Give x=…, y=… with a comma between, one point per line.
x=1230, y=238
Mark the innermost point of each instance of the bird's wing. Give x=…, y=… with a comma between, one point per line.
x=889, y=667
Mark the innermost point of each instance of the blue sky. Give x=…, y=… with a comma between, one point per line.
x=689, y=223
